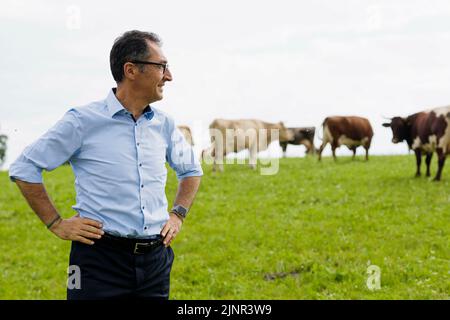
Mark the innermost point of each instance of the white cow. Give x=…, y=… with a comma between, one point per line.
x=237, y=135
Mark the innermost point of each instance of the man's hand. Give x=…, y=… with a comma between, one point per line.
x=75, y=228
x=78, y=229
x=171, y=229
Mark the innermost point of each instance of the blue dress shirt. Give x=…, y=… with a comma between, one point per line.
x=119, y=164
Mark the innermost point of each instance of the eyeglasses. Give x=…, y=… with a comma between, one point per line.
x=164, y=66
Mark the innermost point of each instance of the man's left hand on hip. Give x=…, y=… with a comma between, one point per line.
x=171, y=228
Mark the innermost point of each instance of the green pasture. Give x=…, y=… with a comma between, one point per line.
x=308, y=232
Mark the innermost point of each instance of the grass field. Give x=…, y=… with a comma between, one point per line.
x=308, y=232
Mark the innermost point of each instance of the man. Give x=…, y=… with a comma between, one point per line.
x=117, y=148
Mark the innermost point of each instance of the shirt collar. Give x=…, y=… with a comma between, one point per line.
x=114, y=106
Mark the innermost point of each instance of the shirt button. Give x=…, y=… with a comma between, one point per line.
x=140, y=164
x=143, y=208
x=137, y=144
x=142, y=185
x=145, y=228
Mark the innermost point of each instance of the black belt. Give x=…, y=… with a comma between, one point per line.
x=136, y=246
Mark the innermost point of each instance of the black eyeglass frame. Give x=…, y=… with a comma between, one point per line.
x=164, y=65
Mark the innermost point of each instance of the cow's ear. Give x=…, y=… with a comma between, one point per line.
x=387, y=125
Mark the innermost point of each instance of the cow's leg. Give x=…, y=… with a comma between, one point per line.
x=283, y=146
x=253, y=151
x=418, y=153
x=213, y=155
x=354, y=152
x=215, y=166
x=333, y=149
x=309, y=147
x=441, y=161
x=312, y=148
x=367, y=147
x=321, y=149
x=367, y=153
x=428, y=162
x=221, y=162
x=219, y=156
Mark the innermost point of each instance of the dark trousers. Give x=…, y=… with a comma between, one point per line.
x=114, y=273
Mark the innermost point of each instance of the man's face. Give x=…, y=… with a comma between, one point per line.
x=151, y=80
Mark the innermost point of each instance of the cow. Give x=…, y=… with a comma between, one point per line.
x=350, y=131
x=424, y=132
x=302, y=136
x=186, y=131
x=237, y=135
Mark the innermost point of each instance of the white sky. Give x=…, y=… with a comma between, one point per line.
x=291, y=61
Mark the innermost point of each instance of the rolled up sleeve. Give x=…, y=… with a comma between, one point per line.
x=50, y=151
x=181, y=157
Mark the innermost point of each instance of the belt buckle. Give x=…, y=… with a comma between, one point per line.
x=143, y=244
x=140, y=244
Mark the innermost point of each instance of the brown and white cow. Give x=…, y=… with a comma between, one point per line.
x=350, y=131
x=237, y=135
x=424, y=132
x=302, y=136
x=186, y=131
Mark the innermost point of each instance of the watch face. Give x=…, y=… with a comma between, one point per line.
x=181, y=210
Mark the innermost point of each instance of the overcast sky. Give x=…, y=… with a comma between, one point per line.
x=291, y=61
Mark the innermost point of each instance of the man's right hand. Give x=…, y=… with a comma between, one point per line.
x=78, y=229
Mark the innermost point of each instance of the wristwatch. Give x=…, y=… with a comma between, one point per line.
x=180, y=211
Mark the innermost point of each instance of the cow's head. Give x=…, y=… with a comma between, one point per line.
x=285, y=133
x=400, y=129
